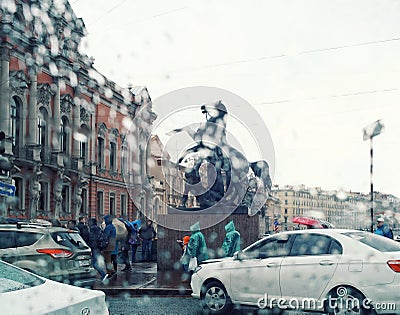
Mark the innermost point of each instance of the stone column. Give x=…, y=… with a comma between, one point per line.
x=5, y=95
x=32, y=111
x=56, y=145
x=32, y=137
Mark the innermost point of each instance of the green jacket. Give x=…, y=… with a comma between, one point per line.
x=231, y=242
x=197, y=246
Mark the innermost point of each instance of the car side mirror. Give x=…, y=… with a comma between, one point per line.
x=238, y=255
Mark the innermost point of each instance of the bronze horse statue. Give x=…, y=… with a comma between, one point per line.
x=215, y=172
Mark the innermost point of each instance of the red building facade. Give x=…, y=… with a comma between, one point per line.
x=68, y=128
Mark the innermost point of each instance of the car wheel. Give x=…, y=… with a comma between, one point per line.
x=347, y=301
x=215, y=299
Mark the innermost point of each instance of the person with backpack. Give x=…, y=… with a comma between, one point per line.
x=125, y=246
x=111, y=232
x=95, y=244
x=134, y=240
x=231, y=242
x=383, y=229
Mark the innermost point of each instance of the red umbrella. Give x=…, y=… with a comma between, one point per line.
x=308, y=221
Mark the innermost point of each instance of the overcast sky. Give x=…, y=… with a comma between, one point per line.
x=316, y=71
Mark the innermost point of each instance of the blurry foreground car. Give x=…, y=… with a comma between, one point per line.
x=22, y=292
x=52, y=252
x=325, y=270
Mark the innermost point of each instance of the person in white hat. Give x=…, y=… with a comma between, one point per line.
x=383, y=229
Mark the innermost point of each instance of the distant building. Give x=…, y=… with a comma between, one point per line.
x=342, y=209
x=158, y=177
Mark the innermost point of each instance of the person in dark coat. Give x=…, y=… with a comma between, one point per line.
x=93, y=242
x=83, y=228
x=111, y=234
x=125, y=246
x=134, y=240
x=147, y=234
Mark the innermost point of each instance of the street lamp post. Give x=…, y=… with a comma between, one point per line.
x=370, y=132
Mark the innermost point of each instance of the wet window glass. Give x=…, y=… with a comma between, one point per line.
x=71, y=240
x=378, y=242
x=335, y=248
x=13, y=279
x=7, y=239
x=26, y=239
x=311, y=244
x=273, y=247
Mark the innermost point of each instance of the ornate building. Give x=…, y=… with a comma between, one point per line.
x=68, y=128
x=344, y=209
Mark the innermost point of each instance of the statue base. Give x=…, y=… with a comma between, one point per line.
x=176, y=224
x=216, y=209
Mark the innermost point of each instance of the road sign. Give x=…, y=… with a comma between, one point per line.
x=7, y=189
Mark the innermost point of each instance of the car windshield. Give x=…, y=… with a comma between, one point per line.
x=69, y=239
x=377, y=242
x=13, y=279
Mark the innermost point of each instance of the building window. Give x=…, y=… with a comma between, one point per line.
x=64, y=136
x=42, y=131
x=124, y=211
x=83, y=143
x=286, y=212
x=113, y=156
x=100, y=152
x=66, y=199
x=15, y=114
x=83, y=152
x=124, y=159
x=84, y=206
x=112, y=203
x=19, y=194
x=44, y=196
x=100, y=203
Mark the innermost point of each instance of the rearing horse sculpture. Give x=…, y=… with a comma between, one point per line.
x=216, y=172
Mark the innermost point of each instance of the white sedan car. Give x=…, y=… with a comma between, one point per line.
x=323, y=270
x=22, y=292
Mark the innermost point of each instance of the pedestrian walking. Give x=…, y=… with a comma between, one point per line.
x=185, y=258
x=112, y=249
x=134, y=240
x=125, y=246
x=94, y=244
x=231, y=242
x=83, y=228
x=197, y=246
x=147, y=235
x=185, y=255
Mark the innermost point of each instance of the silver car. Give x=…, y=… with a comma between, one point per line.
x=52, y=252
